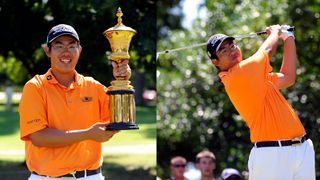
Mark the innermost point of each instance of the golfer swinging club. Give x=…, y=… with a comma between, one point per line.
x=281, y=149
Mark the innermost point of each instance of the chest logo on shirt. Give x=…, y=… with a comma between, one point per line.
x=49, y=77
x=86, y=99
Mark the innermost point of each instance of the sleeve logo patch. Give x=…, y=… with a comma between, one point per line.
x=33, y=121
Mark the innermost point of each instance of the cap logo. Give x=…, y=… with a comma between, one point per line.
x=59, y=30
x=215, y=45
x=62, y=29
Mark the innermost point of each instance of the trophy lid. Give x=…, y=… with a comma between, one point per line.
x=120, y=26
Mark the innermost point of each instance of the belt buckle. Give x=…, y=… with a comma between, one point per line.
x=296, y=141
x=68, y=178
x=73, y=174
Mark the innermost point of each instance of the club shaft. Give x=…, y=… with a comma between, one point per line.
x=181, y=48
x=252, y=35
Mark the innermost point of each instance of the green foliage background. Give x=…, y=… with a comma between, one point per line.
x=194, y=111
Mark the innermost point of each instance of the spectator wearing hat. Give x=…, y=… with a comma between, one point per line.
x=206, y=163
x=63, y=114
x=230, y=174
x=178, y=167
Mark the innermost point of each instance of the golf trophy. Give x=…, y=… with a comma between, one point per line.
x=121, y=93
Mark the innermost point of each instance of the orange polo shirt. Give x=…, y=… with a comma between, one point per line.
x=47, y=104
x=250, y=87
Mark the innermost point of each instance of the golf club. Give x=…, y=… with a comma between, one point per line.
x=252, y=35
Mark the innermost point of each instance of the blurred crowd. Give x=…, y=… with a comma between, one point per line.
x=202, y=169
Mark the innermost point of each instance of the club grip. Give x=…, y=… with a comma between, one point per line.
x=292, y=28
x=262, y=32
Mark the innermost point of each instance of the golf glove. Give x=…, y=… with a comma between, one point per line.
x=285, y=33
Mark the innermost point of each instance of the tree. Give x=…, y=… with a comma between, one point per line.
x=169, y=17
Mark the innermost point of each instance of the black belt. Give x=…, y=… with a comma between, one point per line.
x=280, y=143
x=78, y=174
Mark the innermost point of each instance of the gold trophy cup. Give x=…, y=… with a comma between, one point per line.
x=121, y=93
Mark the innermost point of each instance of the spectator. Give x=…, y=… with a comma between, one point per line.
x=230, y=174
x=206, y=163
x=178, y=166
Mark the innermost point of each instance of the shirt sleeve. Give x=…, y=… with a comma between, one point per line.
x=32, y=111
x=251, y=70
x=257, y=66
x=273, y=77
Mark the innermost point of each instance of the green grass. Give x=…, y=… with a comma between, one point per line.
x=12, y=158
x=9, y=129
x=146, y=133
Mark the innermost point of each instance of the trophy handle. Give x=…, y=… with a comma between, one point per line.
x=117, y=61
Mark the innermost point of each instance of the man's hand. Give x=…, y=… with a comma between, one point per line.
x=121, y=69
x=285, y=33
x=98, y=132
x=274, y=29
x=50, y=137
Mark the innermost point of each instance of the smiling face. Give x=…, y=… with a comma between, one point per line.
x=64, y=54
x=229, y=54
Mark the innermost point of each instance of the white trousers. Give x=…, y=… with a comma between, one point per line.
x=295, y=162
x=92, y=177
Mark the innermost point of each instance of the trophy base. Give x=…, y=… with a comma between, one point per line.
x=122, y=126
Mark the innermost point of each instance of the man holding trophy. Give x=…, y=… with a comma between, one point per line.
x=64, y=116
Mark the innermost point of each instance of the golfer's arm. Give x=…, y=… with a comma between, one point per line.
x=50, y=137
x=287, y=74
x=270, y=44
